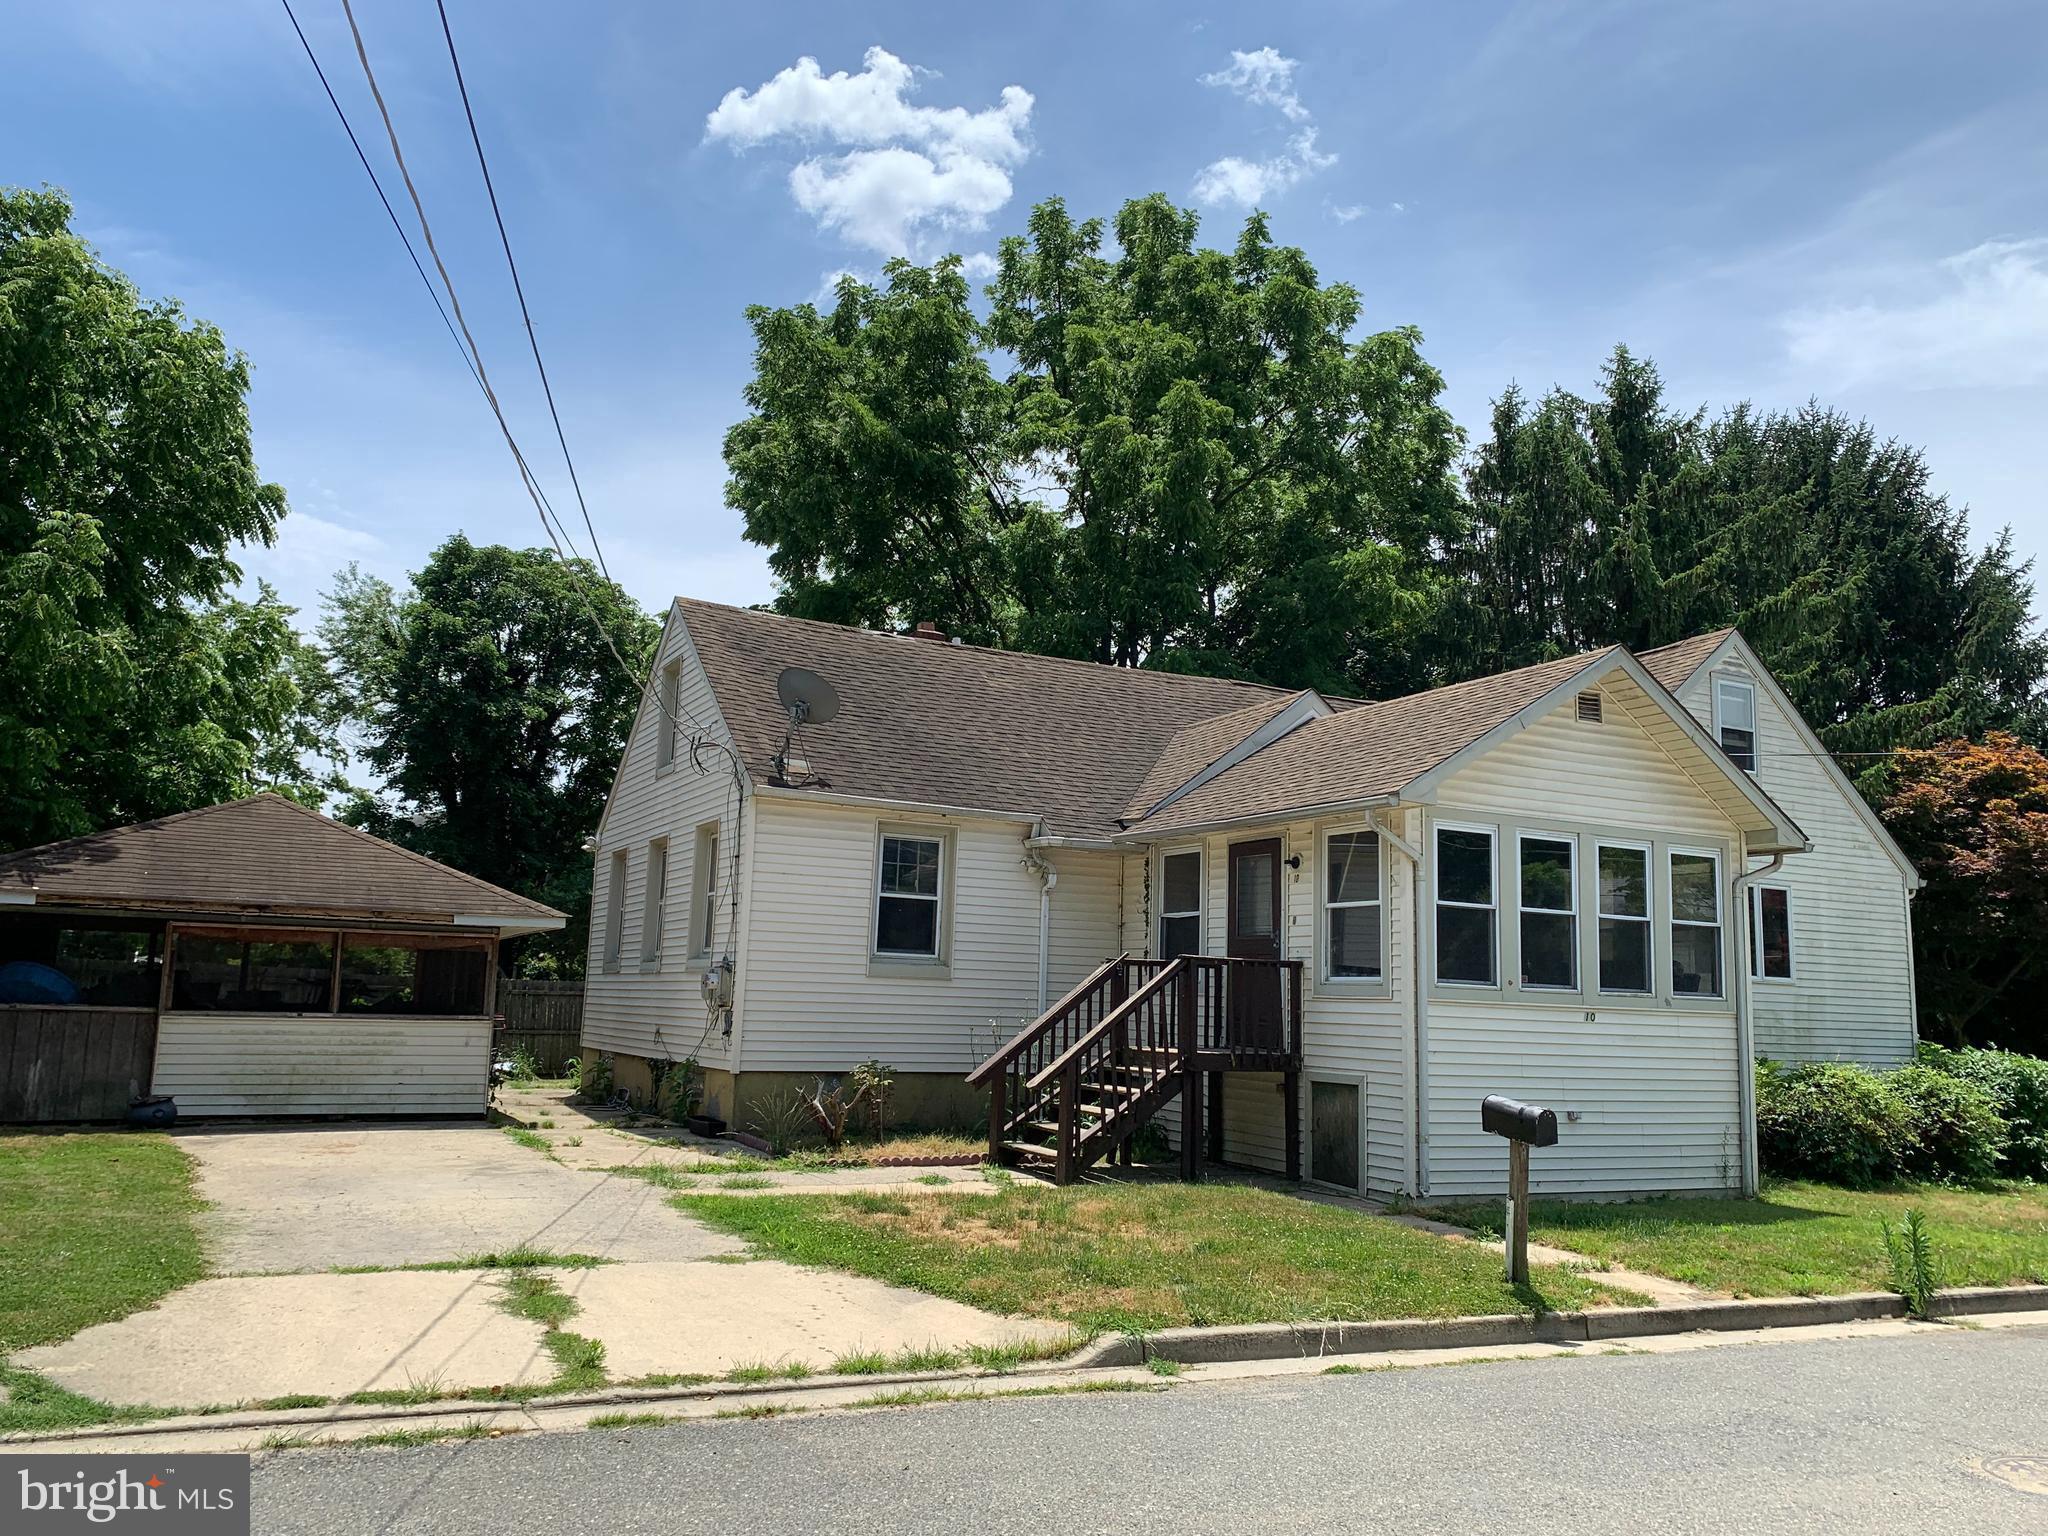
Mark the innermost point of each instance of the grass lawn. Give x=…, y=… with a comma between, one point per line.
x=1136, y=1257
x=92, y=1227
x=1797, y=1239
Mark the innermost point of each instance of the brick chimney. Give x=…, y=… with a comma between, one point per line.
x=927, y=630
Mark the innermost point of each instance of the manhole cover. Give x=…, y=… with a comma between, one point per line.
x=2029, y=1474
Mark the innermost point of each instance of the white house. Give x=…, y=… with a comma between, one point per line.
x=1310, y=933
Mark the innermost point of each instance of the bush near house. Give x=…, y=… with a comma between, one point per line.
x=1949, y=1117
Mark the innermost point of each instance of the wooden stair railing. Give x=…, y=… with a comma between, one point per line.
x=1011, y=1108
x=1115, y=1077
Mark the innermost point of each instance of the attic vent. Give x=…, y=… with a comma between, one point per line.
x=1589, y=708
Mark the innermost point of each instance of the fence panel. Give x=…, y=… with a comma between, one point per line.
x=73, y=1063
x=544, y=1017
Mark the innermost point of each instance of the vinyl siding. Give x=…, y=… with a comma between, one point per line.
x=1851, y=996
x=815, y=1002
x=322, y=1064
x=1654, y=1084
x=659, y=1012
x=1345, y=1032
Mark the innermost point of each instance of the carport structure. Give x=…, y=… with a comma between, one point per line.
x=248, y=959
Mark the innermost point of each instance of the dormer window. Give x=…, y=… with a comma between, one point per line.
x=1735, y=720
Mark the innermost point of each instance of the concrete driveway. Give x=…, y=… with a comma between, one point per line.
x=289, y=1206
x=306, y=1198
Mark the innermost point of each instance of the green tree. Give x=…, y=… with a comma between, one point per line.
x=1973, y=816
x=487, y=699
x=1618, y=519
x=1188, y=463
x=134, y=684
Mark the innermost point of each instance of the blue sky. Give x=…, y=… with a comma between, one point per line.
x=1775, y=201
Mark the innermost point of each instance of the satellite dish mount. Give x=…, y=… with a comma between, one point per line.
x=808, y=700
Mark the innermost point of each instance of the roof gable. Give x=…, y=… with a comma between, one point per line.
x=926, y=722
x=262, y=856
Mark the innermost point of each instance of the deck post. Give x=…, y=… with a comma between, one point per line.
x=1190, y=1079
x=1215, y=1117
x=998, y=1113
x=1070, y=1096
x=1290, y=1085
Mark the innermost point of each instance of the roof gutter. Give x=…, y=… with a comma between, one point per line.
x=885, y=803
x=17, y=898
x=508, y=924
x=1144, y=834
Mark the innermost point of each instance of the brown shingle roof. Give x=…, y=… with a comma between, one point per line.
x=263, y=856
x=1358, y=754
x=1671, y=665
x=931, y=723
x=1195, y=747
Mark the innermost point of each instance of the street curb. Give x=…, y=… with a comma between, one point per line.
x=1278, y=1341
x=1187, y=1346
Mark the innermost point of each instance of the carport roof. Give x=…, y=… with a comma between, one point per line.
x=260, y=857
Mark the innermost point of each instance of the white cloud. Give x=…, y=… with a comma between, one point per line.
x=906, y=170
x=1974, y=320
x=1263, y=78
x=979, y=266
x=1248, y=183
x=1348, y=212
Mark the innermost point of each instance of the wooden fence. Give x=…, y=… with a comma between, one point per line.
x=544, y=1017
x=63, y=1064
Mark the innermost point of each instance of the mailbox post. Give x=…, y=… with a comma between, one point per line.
x=1523, y=1126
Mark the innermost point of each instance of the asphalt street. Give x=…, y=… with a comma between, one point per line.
x=1867, y=1435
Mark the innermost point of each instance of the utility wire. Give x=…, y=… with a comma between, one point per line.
x=505, y=240
x=557, y=535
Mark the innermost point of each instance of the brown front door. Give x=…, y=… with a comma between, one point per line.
x=1254, y=934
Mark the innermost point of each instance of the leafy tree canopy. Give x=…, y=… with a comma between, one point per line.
x=488, y=702
x=134, y=685
x=1974, y=819
x=1170, y=455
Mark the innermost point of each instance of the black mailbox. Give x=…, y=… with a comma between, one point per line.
x=1517, y=1121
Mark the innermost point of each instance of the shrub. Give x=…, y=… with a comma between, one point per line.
x=1957, y=1132
x=1831, y=1121
x=2018, y=1088
x=593, y=1076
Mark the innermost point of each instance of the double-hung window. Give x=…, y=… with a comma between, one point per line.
x=1550, y=911
x=1735, y=720
x=1180, y=904
x=1624, y=913
x=1467, y=907
x=1770, y=932
x=907, y=890
x=1695, y=924
x=1351, y=905
x=615, y=911
x=666, y=729
x=654, y=905
x=704, y=891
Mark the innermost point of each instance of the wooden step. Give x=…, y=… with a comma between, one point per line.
x=1031, y=1149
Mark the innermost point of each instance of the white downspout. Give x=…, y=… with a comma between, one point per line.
x=1745, y=1025
x=1048, y=878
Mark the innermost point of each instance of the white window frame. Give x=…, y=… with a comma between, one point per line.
x=654, y=905
x=704, y=892
x=1756, y=936
x=1201, y=859
x=1743, y=685
x=1719, y=925
x=669, y=707
x=615, y=911
x=1325, y=906
x=1571, y=841
x=936, y=956
x=1648, y=919
x=1438, y=903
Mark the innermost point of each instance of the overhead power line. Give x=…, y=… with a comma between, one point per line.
x=519, y=289
x=466, y=342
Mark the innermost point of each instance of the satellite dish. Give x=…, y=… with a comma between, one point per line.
x=807, y=697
